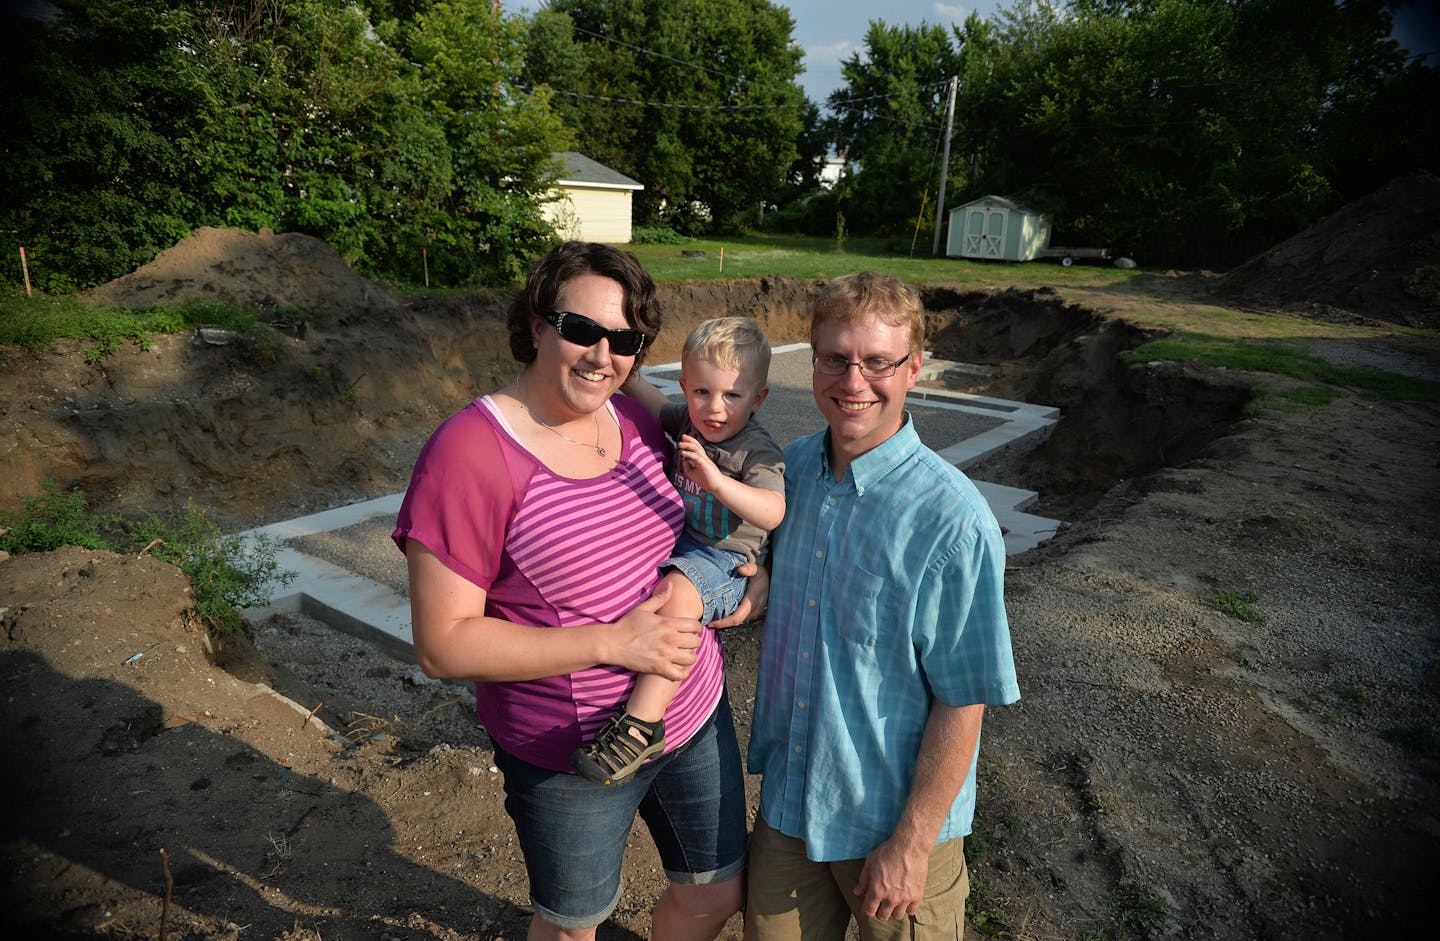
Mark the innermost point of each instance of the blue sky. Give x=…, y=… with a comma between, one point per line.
x=832, y=30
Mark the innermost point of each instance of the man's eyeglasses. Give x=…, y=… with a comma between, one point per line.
x=582, y=331
x=876, y=367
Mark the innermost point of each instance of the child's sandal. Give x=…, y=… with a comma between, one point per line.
x=615, y=754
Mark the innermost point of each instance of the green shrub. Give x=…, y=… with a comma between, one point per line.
x=656, y=235
x=51, y=519
x=226, y=572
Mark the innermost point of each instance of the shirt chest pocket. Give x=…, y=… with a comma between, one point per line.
x=864, y=608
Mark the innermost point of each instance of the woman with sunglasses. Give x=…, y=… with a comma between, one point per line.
x=533, y=527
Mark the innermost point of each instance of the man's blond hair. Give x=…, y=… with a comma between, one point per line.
x=733, y=342
x=866, y=294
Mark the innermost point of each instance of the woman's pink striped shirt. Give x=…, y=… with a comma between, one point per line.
x=554, y=551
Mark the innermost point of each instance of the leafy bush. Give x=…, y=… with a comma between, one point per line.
x=656, y=235
x=52, y=519
x=226, y=572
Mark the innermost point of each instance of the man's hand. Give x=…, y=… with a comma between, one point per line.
x=892, y=881
x=757, y=594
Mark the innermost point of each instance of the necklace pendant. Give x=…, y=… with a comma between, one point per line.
x=599, y=450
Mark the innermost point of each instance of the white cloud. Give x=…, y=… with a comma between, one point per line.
x=948, y=13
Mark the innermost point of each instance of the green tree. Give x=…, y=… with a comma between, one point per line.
x=92, y=182
x=1186, y=131
x=889, y=119
x=499, y=143
x=698, y=101
x=384, y=133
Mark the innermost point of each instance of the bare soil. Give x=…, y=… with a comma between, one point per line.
x=1172, y=770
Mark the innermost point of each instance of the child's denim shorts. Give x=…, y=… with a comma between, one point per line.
x=712, y=572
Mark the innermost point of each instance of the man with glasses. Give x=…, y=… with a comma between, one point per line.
x=885, y=640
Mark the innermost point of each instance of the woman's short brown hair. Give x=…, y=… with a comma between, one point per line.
x=569, y=260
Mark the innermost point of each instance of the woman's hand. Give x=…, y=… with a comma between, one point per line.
x=650, y=642
x=757, y=596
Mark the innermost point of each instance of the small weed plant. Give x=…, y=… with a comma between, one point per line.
x=1241, y=607
x=1139, y=911
x=226, y=572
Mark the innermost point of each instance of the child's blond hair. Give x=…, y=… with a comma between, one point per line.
x=733, y=342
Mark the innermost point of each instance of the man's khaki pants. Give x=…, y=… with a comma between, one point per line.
x=791, y=898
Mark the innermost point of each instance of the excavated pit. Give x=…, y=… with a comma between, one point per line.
x=1120, y=421
x=336, y=413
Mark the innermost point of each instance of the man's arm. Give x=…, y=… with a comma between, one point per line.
x=757, y=596
x=892, y=881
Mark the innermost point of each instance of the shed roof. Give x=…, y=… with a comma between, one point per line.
x=1007, y=203
x=580, y=170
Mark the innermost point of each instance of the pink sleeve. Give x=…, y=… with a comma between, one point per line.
x=461, y=498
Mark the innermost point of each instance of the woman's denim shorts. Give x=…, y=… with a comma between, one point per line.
x=573, y=832
x=712, y=572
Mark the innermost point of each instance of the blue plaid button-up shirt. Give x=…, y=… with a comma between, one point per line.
x=886, y=594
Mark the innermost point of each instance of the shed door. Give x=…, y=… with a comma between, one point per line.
x=984, y=233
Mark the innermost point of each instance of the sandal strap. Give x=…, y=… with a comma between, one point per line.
x=616, y=748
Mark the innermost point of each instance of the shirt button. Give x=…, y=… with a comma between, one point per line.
x=811, y=602
x=819, y=554
x=832, y=501
x=804, y=655
x=797, y=749
x=801, y=704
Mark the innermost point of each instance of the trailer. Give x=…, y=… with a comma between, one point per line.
x=1068, y=256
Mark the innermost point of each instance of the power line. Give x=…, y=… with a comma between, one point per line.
x=663, y=105
x=660, y=55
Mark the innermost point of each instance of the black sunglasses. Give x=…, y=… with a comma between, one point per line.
x=582, y=331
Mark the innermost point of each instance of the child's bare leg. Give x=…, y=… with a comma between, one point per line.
x=628, y=740
x=652, y=694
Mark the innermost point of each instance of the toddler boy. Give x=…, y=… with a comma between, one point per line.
x=731, y=474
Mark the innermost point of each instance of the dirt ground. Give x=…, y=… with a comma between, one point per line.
x=1172, y=771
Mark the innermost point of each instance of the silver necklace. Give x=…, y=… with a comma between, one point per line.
x=548, y=427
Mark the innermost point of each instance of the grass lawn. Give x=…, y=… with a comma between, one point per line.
x=758, y=256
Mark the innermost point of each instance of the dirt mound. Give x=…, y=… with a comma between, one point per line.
x=248, y=269
x=1379, y=255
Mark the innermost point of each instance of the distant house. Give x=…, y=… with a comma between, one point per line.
x=594, y=203
x=995, y=227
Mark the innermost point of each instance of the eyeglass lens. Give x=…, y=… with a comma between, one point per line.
x=582, y=331
x=874, y=368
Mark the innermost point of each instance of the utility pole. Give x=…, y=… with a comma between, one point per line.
x=945, y=163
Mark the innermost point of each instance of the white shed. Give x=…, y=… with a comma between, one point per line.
x=594, y=203
x=995, y=227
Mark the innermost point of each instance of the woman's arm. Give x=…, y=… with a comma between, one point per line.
x=641, y=390
x=455, y=639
